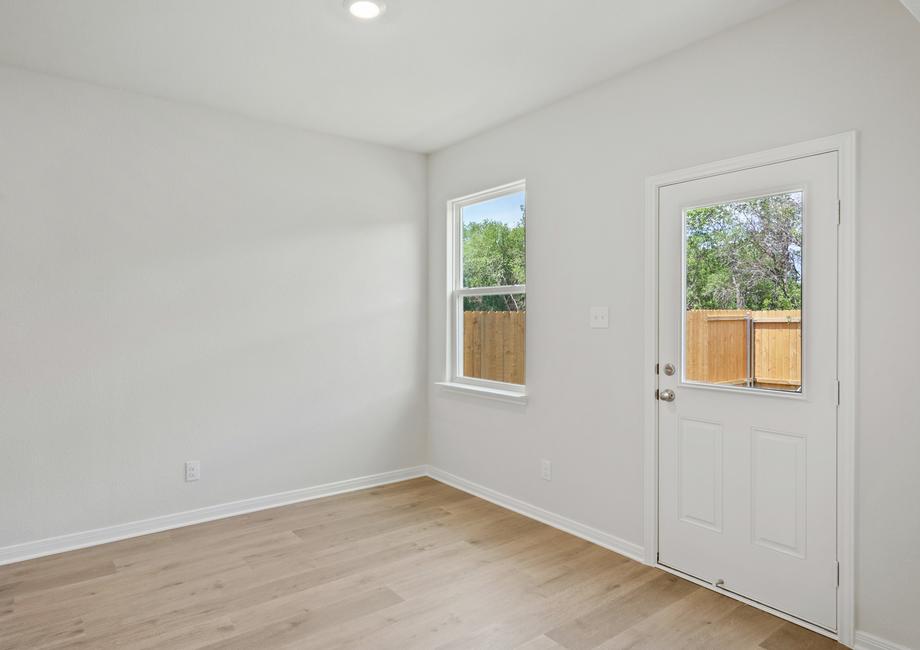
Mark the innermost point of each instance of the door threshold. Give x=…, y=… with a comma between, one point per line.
x=753, y=603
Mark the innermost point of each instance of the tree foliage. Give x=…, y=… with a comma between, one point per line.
x=746, y=255
x=494, y=254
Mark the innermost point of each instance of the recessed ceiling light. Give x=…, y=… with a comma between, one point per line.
x=365, y=9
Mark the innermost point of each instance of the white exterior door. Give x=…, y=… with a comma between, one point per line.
x=748, y=359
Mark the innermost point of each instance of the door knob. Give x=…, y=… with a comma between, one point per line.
x=666, y=395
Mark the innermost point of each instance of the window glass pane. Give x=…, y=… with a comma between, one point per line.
x=493, y=337
x=743, y=293
x=493, y=242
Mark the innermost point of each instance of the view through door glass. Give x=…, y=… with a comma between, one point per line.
x=743, y=293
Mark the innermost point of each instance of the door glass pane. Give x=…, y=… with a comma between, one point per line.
x=493, y=337
x=493, y=242
x=743, y=293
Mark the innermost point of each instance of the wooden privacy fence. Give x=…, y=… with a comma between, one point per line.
x=493, y=345
x=738, y=347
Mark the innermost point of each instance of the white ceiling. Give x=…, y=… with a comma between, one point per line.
x=429, y=73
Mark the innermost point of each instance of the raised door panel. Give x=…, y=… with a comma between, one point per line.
x=699, y=469
x=778, y=491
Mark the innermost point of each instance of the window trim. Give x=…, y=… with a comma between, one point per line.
x=453, y=377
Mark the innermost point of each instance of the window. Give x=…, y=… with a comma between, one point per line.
x=488, y=293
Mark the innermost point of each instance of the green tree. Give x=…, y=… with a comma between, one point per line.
x=746, y=254
x=494, y=254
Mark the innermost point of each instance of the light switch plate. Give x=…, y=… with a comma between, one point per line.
x=599, y=317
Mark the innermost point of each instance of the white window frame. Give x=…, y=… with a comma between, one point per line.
x=456, y=292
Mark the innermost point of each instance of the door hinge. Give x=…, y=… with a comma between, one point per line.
x=838, y=392
x=838, y=574
x=656, y=394
x=839, y=211
x=656, y=368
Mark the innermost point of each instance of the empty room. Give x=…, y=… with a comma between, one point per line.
x=459, y=324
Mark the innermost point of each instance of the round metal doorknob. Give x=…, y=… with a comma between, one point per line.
x=667, y=395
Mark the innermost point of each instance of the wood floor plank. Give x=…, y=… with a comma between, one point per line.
x=38, y=581
x=541, y=605
x=50, y=633
x=539, y=643
x=557, y=603
x=415, y=564
x=602, y=623
x=672, y=625
x=744, y=627
x=790, y=635
x=300, y=626
x=194, y=636
x=6, y=607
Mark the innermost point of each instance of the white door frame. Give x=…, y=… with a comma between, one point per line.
x=845, y=146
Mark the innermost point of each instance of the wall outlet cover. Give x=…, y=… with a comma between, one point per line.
x=599, y=317
x=192, y=470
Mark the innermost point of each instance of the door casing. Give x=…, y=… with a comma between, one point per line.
x=845, y=146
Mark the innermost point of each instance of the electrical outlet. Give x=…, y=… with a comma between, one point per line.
x=599, y=317
x=546, y=470
x=192, y=470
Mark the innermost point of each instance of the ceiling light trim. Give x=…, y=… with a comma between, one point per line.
x=366, y=10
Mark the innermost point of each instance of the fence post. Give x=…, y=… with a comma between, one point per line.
x=749, y=347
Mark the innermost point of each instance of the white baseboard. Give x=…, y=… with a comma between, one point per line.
x=866, y=641
x=83, y=539
x=599, y=537
x=73, y=541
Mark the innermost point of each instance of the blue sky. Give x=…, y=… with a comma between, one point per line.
x=506, y=209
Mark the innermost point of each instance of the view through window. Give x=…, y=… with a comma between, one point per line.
x=491, y=287
x=743, y=293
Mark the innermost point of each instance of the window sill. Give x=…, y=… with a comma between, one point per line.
x=509, y=396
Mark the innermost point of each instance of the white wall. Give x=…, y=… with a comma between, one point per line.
x=178, y=283
x=814, y=68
